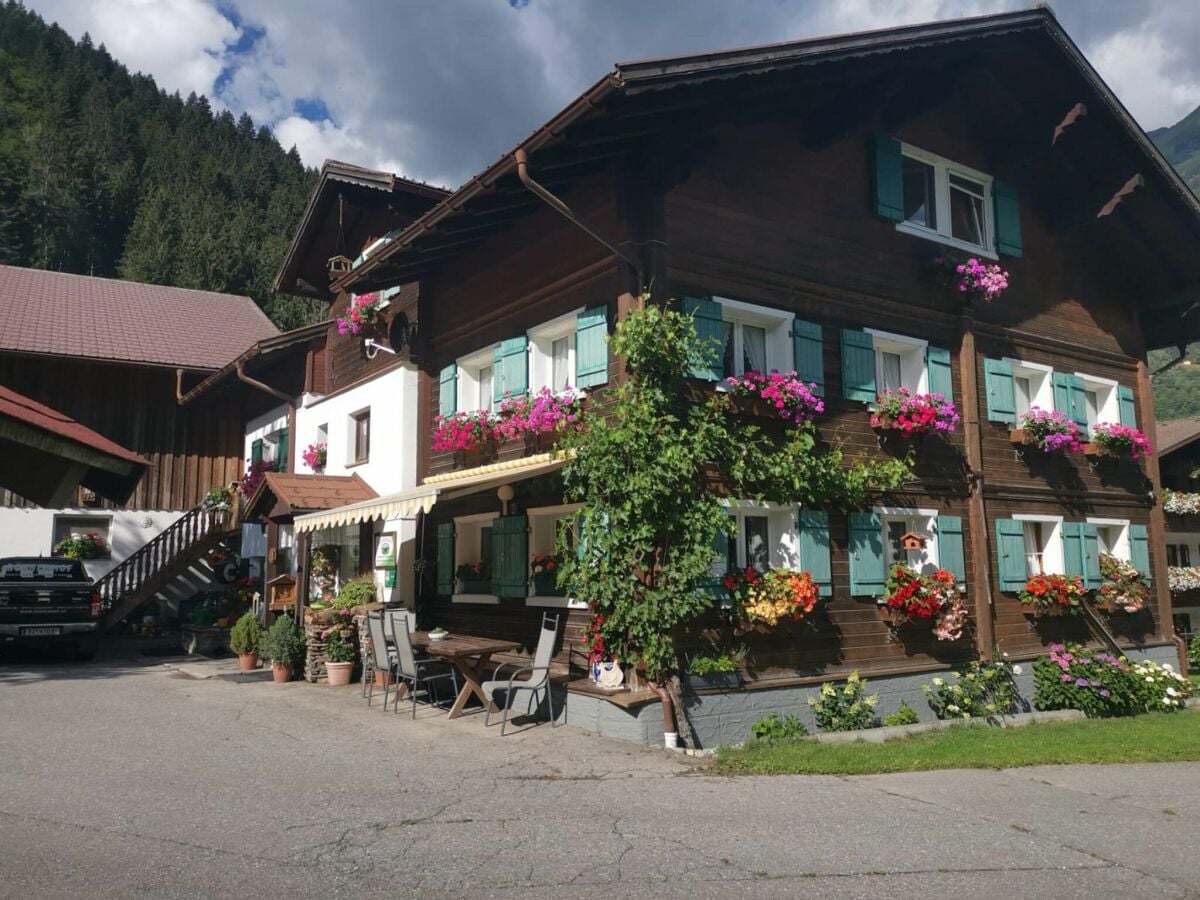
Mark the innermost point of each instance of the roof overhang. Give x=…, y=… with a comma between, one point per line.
x=294, y=341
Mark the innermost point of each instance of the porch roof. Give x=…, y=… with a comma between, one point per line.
x=406, y=504
x=280, y=496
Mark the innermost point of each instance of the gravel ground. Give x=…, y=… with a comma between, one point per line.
x=130, y=779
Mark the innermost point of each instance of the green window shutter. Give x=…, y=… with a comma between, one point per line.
x=888, y=178
x=1008, y=218
x=950, y=546
x=1091, y=557
x=256, y=450
x=1069, y=399
x=510, y=552
x=510, y=372
x=808, y=354
x=1010, y=554
x=868, y=571
x=937, y=362
x=713, y=586
x=858, y=365
x=1139, y=550
x=591, y=347
x=1078, y=403
x=1001, y=396
x=1072, y=541
x=814, y=548
x=281, y=451
x=448, y=390
x=710, y=329
x=445, y=558
x=1127, y=406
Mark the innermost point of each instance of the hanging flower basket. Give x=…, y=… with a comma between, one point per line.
x=971, y=278
x=1111, y=441
x=908, y=414
x=933, y=600
x=360, y=318
x=315, y=455
x=1053, y=595
x=1050, y=432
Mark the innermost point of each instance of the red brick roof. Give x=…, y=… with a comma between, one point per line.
x=104, y=318
x=19, y=407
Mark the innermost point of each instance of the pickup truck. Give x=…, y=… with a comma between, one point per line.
x=46, y=601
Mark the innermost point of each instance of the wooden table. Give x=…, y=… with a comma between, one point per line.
x=470, y=656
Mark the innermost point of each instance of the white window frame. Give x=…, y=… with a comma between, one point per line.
x=1053, y=558
x=1041, y=383
x=471, y=526
x=783, y=535
x=543, y=523
x=1108, y=406
x=469, y=367
x=923, y=562
x=1122, y=548
x=914, y=372
x=541, y=356
x=942, y=170
x=778, y=325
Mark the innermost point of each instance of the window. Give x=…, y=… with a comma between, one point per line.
x=476, y=380
x=1100, y=400
x=899, y=522
x=946, y=202
x=754, y=339
x=360, y=436
x=552, y=354
x=473, y=547
x=899, y=362
x=1113, y=537
x=82, y=526
x=764, y=537
x=544, y=526
x=1032, y=386
x=1043, y=544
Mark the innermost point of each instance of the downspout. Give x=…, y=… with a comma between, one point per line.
x=240, y=367
x=522, y=160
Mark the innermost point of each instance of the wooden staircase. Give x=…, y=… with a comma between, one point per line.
x=150, y=570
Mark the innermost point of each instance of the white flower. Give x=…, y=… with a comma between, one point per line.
x=966, y=715
x=1171, y=692
x=939, y=681
x=1017, y=670
x=1149, y=679
x=1166, y=701
x=952, y=708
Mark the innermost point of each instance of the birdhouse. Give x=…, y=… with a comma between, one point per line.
x=338, y=265
x=912, y=540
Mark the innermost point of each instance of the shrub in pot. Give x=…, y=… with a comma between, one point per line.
x=284, y=645
x=357, y=592
x=339, y=654
x=244, y=640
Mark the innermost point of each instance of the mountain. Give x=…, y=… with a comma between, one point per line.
x=1180, y=144
x=103, y=173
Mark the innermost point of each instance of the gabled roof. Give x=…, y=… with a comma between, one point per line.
x=59, y=314
x=652, y=100
x=1175, y=434
x=41, y=446
x=281, y=495
x=375, y=201
x=296, y=340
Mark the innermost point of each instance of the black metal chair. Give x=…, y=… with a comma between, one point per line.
x=536, y=682
x=418, y=674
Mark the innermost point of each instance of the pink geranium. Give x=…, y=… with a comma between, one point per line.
x=795, y=401
x=1122, y=440
x=902, y=410
x=462, y=431
x=362, y=312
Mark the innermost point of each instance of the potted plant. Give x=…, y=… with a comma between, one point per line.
x=1123, y=588
x=438, y=633
x=244, y=640
x=779, y=395
x=762, y=600
x=284, y=646
x=905, y=413
x=973, y=278
x=716, y=669
x=1049, y=431
x=931, y=599
x=545, y=567
x=316, y=455
x=470, y=436
x=1115, y=441
x=360, y=317
x=339, y=654
x=1053, y=595
x=217, y=498
x=474, y=578
x=82, y=546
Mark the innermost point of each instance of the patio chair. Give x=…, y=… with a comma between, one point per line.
x=418, y=674
x=537, y=680
x=383, y=659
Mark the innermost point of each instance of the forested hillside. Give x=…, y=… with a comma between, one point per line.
x=103, y=173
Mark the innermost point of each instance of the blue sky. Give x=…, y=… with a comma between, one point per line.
x=437, y=89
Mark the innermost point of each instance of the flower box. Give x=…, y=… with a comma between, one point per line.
x=470, y=586
x=542, y=442
x=546, y=585
x=721, y=681
x=480, y=455
x=901, y=412
x=1021, y=437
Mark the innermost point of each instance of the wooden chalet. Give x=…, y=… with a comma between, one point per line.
x=1179, y=462
x=794, y=198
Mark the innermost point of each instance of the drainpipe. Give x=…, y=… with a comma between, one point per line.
x=670, y=735
x=522, y=159
x=255, y=383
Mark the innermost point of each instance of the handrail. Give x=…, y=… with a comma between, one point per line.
x=136, y=569
x=1101, y=630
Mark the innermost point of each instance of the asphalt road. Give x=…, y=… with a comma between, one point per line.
x=124, y=779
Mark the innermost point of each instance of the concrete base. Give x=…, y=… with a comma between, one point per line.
x=724, y=719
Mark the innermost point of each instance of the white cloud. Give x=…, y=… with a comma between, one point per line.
x=319, y=141
x=1147, y=76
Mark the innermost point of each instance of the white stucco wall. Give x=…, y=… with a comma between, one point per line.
x=30, y=532
x=264, y=426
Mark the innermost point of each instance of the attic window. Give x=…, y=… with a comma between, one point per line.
x=946, y=202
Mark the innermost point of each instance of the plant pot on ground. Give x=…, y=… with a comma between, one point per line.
x=284, y=646
x=339, y=655
x=245, y=639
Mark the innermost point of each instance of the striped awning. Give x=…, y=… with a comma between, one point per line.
x=406, y=504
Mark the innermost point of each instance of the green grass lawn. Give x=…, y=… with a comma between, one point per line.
x=1157, y=737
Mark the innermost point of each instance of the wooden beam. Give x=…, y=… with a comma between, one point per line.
x=1126, y=190
x=981, y=572
x=1076, y=112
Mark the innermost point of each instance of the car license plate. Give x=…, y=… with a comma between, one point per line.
x=41, y=631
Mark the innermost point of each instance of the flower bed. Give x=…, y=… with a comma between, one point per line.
x=1054, y=595
x=1123, y=588
x=1118, y=441
x=1049, y=431
x=762, y=600
x=911, y=414
x=933, y=599
x=1183, y=578
x=360, y=315
x=790, y=398
x=980, y=691
x=1101, y=684
x=1180, y=504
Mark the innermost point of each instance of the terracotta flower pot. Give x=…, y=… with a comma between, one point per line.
x=281, y=674
x=248, y=662
x=382, y=678
x=339, y=672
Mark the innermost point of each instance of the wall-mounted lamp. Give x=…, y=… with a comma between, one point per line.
x=505, y=493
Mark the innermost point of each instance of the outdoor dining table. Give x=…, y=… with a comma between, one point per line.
x=470, y=656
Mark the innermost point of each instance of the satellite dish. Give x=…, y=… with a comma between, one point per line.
x=401, y=332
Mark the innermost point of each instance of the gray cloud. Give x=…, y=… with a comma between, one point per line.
x=439, y=90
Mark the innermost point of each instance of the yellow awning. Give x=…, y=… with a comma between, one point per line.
x=406, y=504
